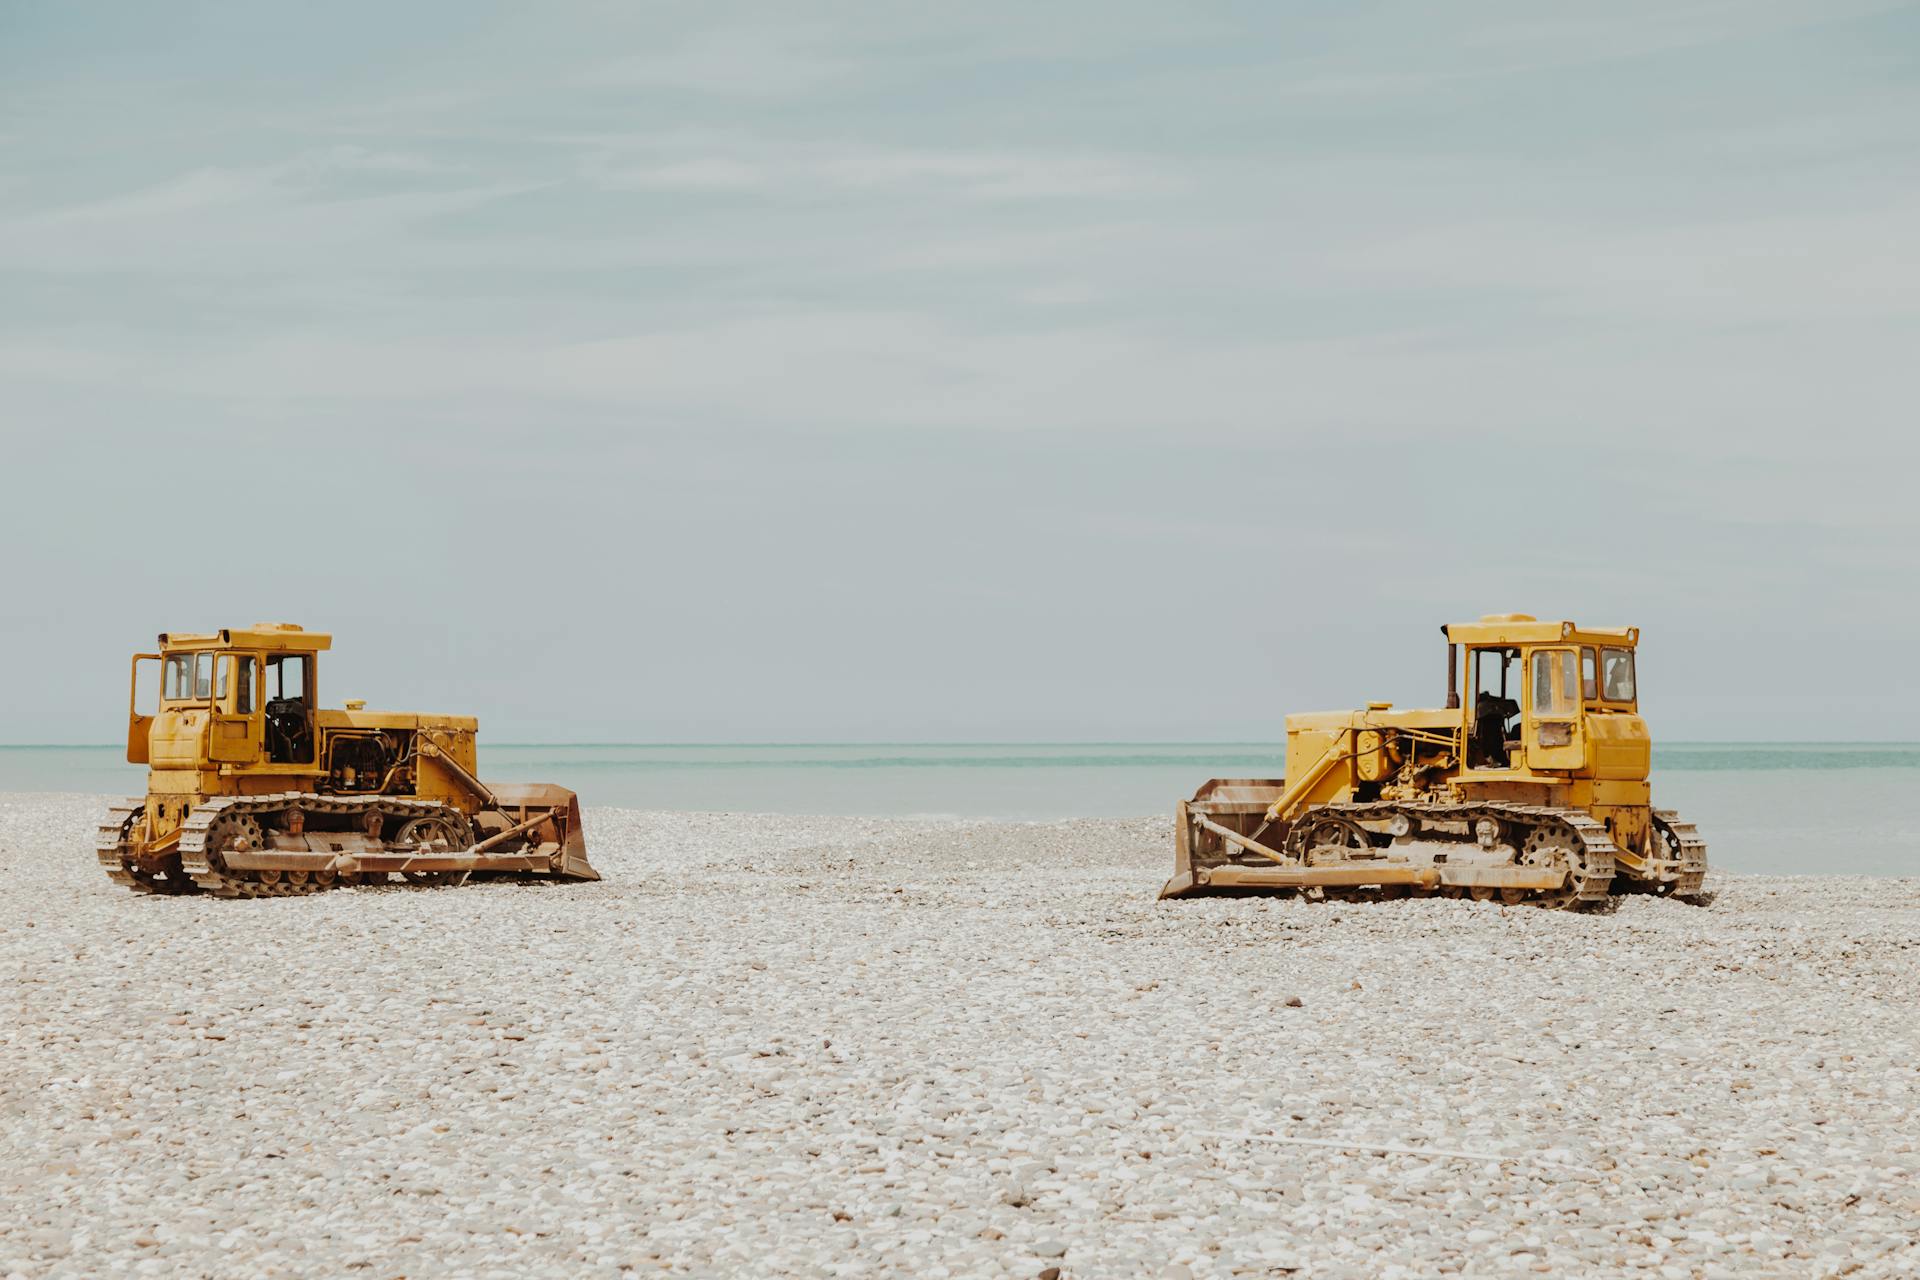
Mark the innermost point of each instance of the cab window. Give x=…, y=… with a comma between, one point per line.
x=1616, y=675
x=237, y=669
x=189, y=678
x=288, y=709
x=1589, y=682
x=286, y=678
x=1497, y=679
x=1553, y=686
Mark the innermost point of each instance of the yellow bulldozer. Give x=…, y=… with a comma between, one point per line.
x=1535, y=790
x=254, y=791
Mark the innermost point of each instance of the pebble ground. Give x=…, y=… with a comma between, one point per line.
x=845, y=1047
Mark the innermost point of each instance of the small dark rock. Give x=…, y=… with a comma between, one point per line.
x=1295, y=1002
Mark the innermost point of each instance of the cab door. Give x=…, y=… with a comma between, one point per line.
x=237, y=727
x=139, y=725
x=1554, y=735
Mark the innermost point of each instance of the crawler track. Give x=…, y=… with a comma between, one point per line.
x=210, y=826
x=1552, y=834
x=161, y=875
x=1685, y=847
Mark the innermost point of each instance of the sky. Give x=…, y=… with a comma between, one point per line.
x=1078, y=372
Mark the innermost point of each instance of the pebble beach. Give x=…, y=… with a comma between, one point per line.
x=789, y=1046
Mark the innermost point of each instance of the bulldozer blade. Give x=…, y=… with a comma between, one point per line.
x=1234, y=805
x=522, y=800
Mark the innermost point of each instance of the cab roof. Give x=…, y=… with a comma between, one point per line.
x=284, y=637
x=1524, y=628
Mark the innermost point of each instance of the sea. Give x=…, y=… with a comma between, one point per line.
x=1765, y=807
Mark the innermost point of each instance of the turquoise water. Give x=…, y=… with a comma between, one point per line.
x=1842, y=808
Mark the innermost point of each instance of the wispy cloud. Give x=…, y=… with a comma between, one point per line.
x=766, y=59
x=1527, y=39
x=289, y=213
x=803, y=167
x=316, y=172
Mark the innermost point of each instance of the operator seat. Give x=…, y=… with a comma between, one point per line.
x=1489, y=747
x=289, y=731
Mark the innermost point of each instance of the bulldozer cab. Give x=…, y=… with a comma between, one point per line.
x=231, y=697
x=1526, y=709
x=1532, y=686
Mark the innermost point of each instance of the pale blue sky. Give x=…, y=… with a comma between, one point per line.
x=1081, y=371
